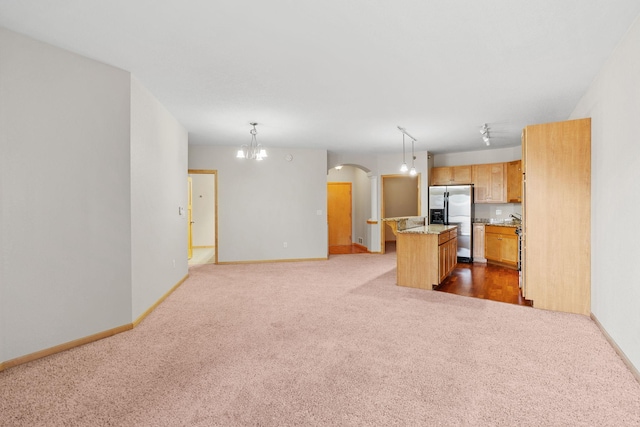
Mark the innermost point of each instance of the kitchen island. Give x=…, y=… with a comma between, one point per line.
x=426, y=255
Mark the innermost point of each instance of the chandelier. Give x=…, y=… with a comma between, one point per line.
x=253, y=151
x=404, y=168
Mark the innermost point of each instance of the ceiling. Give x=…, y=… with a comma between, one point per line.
x=342, y=75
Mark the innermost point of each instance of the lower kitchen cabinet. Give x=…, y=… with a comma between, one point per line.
x=448, y=252
x=478, y=243
x=426, y=255
x=501, y=245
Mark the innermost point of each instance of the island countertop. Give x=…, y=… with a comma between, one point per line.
x=428, y=229
x=404, y=222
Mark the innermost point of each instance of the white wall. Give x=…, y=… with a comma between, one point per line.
x=65, y=259
x=158, y=189
x=204, y=209
x=263, y=204
x=613, y=103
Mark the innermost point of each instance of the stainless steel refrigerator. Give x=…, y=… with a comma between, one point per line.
x=453, y=205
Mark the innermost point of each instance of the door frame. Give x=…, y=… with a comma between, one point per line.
x=383, y=225
x=215, y=205
x=350, y=185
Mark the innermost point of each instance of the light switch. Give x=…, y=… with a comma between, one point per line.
x=319, y=212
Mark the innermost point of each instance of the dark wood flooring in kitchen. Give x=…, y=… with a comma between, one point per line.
x=486, y=281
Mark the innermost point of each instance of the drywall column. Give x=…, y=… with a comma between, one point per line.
x=158, y=200
x=613, y=103
x=374, y=227
x=65, y=259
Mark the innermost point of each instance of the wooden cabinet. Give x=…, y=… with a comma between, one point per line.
x=501, y=245
x=557, y=215
x=448, y=253
x=489, y=182
x=514, y=181
x=425, y=260
x=450, y=175
x=478, y=243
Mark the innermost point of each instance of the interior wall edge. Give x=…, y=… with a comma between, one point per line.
x=160, y=300
x=64, y=346
x=618, y=350
x=88, y=339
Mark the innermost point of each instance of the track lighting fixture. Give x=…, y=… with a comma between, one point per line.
x=404, y=168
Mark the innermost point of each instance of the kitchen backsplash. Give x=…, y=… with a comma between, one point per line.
x=499, y=212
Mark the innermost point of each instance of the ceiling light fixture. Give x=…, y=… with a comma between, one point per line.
x=484, y=131
x=404, y=167
x=253, y=151
x=412, y=171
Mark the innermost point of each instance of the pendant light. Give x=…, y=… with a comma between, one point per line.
x=404, y=168
x=484, y=131
x=412, y=171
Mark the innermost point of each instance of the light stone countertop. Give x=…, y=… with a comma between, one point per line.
x=500, y=224
x=428, y=229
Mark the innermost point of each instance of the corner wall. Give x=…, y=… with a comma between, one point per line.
x=65, y=258
x=158, y=189
x=613, y=103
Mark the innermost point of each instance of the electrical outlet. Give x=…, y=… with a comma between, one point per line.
x=284, y=244
x=498, y=211
x=360, y=240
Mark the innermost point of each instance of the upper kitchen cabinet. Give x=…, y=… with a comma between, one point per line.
x=489, y=182
x=451, y=175
x=557, y=215
x=514, y=181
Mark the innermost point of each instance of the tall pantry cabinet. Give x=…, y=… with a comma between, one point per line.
x=556, y=163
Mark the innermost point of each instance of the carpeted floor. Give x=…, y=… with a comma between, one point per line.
x=329, y=343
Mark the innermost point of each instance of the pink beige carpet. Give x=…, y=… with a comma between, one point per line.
x=329, y=343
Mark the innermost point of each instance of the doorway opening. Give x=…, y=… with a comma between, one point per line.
x=348, y=209
x=202, y=211
x=400, y=197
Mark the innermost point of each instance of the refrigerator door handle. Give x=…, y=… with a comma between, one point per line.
x=446, y=208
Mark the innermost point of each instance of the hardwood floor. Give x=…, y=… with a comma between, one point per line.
x=478, y=280
x=485, y=281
